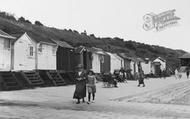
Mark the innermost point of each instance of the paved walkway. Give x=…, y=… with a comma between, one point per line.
x=161, y=98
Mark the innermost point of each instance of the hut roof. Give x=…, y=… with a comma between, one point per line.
x=63, y=44
x=185, y=56
x=6, y=35
x=159, y=59
x=126, y=56
x=96, y=50
x=36, y=37
x=79, y=49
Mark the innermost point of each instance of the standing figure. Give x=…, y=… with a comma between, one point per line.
x=141, y=78
x=91, y=86
x=123, y=75
x=176, y=74
x=187, y=73
x=80, y=90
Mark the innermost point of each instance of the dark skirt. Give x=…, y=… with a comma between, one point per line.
x=80, y=90
x=141, y=81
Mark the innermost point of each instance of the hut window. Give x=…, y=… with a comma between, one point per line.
x=7, y=44
x=40, y=48
x=31, y=52
x=54, y=49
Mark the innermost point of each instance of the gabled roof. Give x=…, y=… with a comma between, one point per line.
x=62, y=44
x=96, y=50
x=114, y=55
x=159, y=59
x=39, y=38
x=6, y=35
x=79, y=49
x=185, y=56
x=36, y=37
x=140, y=60
x=125, y=56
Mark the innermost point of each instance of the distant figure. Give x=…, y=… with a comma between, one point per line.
x=176, y=74
x=80, y=90
x=91, y=86
x=140, y=76
x=164, y=73
x=123, y=75
x=115, y=79
x=187, y=73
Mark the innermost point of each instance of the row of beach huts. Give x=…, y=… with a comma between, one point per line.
x=26, y=52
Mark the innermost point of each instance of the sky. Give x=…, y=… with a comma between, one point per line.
x=108, y=18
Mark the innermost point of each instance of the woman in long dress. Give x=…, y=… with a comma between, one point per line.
x=80, y=90
x=141, y=78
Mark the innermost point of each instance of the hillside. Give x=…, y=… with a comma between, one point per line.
x=135, y=49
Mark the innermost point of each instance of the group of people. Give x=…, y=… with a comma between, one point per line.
x=85, y=80
x=178, y=75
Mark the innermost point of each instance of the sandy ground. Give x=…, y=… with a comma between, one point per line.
x=161, y=98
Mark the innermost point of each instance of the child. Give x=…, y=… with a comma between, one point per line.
x=91, y=87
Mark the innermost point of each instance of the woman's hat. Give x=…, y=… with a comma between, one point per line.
x=79, y=66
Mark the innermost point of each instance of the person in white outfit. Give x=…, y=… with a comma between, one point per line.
x=176, y=74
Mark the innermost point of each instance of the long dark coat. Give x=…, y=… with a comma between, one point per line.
x=80, y=90
x=141, y=78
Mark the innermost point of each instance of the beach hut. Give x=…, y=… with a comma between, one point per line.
x=127, y=61
x=5, y=51
x=158, y=65
x=65, y=56
x=100, y=60
x=32, y=52
x=146, y=66
x=185, y=60
x=83, y=57
x=134, y=65
x=116, y=62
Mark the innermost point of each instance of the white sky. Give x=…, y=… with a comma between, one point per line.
x=108, y=18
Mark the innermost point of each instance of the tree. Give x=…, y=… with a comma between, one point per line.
x=38, y=23
x=28, y=22
x=7, y=16
x=21, y=19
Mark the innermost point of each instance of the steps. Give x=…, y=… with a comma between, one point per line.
x=47, y=81
x=56, y=78
x=72, y=77
x=66, y=76
x=9, y=81
x=32, y=78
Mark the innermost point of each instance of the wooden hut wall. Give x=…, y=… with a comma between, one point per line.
x=87, y=60
x=127, y=64
x=185, y=62
x=65, y=59
x=105, y=66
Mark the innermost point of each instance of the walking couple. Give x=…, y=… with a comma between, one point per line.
x=84, y=80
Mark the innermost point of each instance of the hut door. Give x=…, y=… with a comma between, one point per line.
x=157, y=69
x=85, y=60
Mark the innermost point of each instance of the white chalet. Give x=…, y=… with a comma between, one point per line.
x=146, y=66
x=34, y=53
x=5, y=51
x=159, y=64
x=116, y=62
